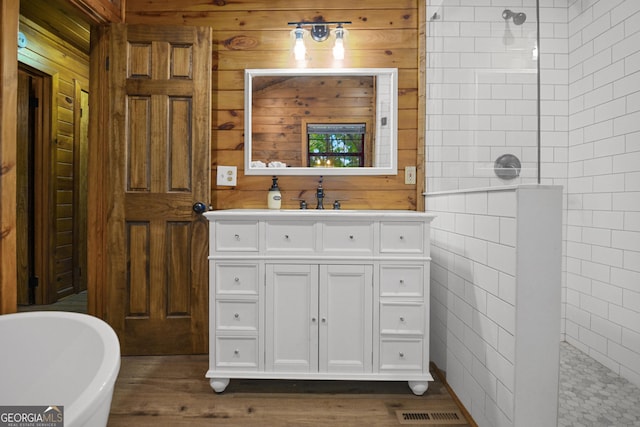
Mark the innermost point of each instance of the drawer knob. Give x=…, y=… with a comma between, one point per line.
x=236, y=279
x=237, y=315
x=237, y=236
x=401, y=237
x=324, y=320
x=286, y=237
x=236, y=352
x=401, y=354
x=351, y=237
x=313, y=320
x=402, y=281
x=402, y=319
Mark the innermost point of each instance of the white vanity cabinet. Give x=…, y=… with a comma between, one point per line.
x=318, y=318
x=319, y=295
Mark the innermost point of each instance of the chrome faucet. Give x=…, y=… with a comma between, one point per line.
x=320, y=195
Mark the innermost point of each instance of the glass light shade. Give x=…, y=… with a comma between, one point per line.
x=299, y=49
x=338, y=47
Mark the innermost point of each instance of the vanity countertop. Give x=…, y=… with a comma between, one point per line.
x=317, y=213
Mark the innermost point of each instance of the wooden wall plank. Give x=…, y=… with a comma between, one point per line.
x=100, y=11
x=255, y=34
x=8, y=116
x=268, y=20
x=154, y=6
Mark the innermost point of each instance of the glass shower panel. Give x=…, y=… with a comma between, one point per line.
x=482, y=94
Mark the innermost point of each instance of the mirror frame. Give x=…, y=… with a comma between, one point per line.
x=392, y=120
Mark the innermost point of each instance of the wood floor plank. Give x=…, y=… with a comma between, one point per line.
x=172, y=391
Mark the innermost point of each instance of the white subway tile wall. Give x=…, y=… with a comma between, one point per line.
x=473, y=300
x=602, y=231
x=590, y=144
x=482, y=93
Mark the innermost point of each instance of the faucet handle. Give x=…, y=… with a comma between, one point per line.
x=336, y=203
x=303, y=203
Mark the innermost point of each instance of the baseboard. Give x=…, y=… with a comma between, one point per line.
x=442, y=377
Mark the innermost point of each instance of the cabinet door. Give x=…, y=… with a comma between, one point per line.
x=346, y=316
x=291, y=342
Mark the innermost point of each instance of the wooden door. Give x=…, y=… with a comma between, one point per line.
x=346, y=318
x=291, y=338
x=35, y=225
x=157, y=169
x=24, y=188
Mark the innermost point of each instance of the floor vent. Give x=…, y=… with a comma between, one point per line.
x=431, y=417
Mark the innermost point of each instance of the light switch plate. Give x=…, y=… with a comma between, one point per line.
x=227, y=176
x=410, y=175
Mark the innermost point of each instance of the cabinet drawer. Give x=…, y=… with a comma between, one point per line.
x=238, y=236
x=402, y=280
x=236, y=279
x=236, y=352
x=348, y=237
x=401, y=355
x=401, y=318
x=237, y=315
x=290, y=237
x=402, y=237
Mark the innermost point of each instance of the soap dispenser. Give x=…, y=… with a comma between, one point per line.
x=274, y=198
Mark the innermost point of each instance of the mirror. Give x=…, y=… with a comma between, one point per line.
x=321, y=121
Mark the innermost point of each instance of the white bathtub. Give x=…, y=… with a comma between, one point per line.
x=55, y=358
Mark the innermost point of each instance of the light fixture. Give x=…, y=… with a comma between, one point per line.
x=338, y=47
x=319, y=32
x=299, y=50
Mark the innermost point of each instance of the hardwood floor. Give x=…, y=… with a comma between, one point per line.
x=172, y=391
x=76, y=303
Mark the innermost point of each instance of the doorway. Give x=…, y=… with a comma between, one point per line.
x=49, y=199
x=31, y=199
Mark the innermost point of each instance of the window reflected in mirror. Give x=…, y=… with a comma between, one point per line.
x=340, y=145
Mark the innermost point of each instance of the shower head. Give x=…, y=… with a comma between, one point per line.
x=518, y=18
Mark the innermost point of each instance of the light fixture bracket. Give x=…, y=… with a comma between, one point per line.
x=319, y=30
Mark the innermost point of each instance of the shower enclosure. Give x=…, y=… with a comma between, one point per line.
x=482, y=92
x=496, y=240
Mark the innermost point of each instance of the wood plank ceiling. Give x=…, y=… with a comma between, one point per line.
x=61, y=18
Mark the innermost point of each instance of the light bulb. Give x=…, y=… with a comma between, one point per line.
x=299, y=50
x=338, y=47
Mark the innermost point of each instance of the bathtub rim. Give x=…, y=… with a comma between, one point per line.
x=101, y=385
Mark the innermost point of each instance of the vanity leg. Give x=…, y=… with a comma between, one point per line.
x=219, y=384
x=418, y=387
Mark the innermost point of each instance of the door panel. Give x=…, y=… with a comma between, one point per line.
x=158, y=167
x=346, y=335
x=291, y=339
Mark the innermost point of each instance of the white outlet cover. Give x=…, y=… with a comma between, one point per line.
x=410, y=175
x=227, y=176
